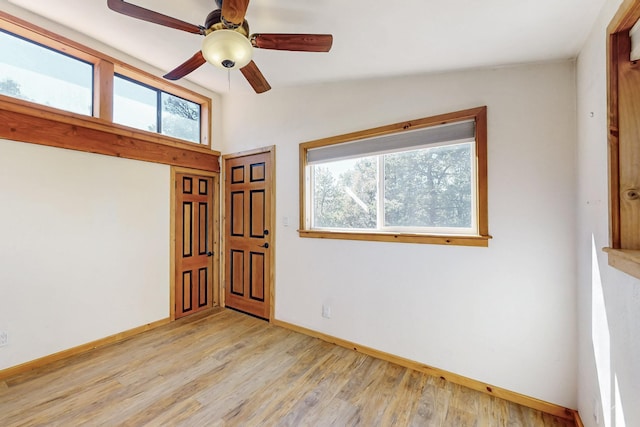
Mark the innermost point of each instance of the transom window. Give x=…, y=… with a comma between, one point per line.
x=38, y=74
x=421, y=182
x=144, y=107
x=39, y=67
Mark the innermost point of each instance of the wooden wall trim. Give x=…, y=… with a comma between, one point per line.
x=623, y=99
x=38, y=363
x=577, y=420
x=626, y=16
x=511, y=396
x=26, y=122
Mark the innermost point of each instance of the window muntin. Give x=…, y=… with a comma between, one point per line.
x=422, y=181
x=144, y=107
x=39, y=74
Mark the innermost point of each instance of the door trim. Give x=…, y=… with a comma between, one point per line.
x=215, y=238
x=271, y=150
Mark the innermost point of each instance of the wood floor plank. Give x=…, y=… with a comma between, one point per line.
x=271, y=392
x=223, y=368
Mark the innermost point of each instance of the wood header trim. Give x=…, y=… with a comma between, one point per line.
x=27, y=122
x=395, y=128
x=626, y=16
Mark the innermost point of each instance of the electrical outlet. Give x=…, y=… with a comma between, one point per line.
x=4, y=338
x=326, y=311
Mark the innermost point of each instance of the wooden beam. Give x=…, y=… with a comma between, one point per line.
x=27, y=122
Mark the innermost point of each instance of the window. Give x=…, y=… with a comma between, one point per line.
x=624, y=139
x=423, y=181
x=143, y=107
x=38, y=74
x=43, y=68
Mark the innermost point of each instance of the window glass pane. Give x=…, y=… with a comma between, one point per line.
x=345, y=194
x=180, y=118
x=38, y=74
x=430, y=187
x=135, y=105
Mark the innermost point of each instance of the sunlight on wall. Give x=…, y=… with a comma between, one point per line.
x=619, y=410
x=600, y=337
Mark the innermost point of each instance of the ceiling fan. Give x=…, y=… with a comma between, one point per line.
x=227, y=43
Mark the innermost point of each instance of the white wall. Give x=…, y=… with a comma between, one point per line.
x=503, y=314
x=608, y=300
x=84, y=238
x=84, y=248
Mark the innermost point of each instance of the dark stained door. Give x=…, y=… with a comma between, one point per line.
x=248, y=189
x=194, y=243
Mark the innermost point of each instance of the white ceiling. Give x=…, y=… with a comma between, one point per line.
x=372, y=38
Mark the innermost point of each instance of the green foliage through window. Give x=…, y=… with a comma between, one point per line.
x=429, y=188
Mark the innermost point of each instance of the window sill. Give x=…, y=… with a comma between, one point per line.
x=450, y=240
x=626, y=260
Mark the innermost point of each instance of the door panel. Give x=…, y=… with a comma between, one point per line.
x=194, y=243
x=247, y=238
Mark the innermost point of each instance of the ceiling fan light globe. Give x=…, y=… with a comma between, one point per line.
x=227, y=49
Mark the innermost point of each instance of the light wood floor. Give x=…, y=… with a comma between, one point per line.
x=226, y=368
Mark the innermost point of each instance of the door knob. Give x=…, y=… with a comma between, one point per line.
x=266, y=232
x=266, y=246
x=209, y=253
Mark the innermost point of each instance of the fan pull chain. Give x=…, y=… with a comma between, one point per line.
x=229, y=79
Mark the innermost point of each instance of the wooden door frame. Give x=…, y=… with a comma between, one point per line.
x=271, y=150
x=215, y=238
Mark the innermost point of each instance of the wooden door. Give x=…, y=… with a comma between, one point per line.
x=194, y=243
x=248, y=237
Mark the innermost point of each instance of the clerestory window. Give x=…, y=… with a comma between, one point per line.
x=42, y=68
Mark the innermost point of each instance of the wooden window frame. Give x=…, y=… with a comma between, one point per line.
x=623, y=76
x=479, y=115
x=104, y=68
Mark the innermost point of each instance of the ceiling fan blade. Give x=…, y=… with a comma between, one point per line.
x=138, y=12
x=188, y=66
x=295, y=42
x=255, y=77
x=233, y=11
